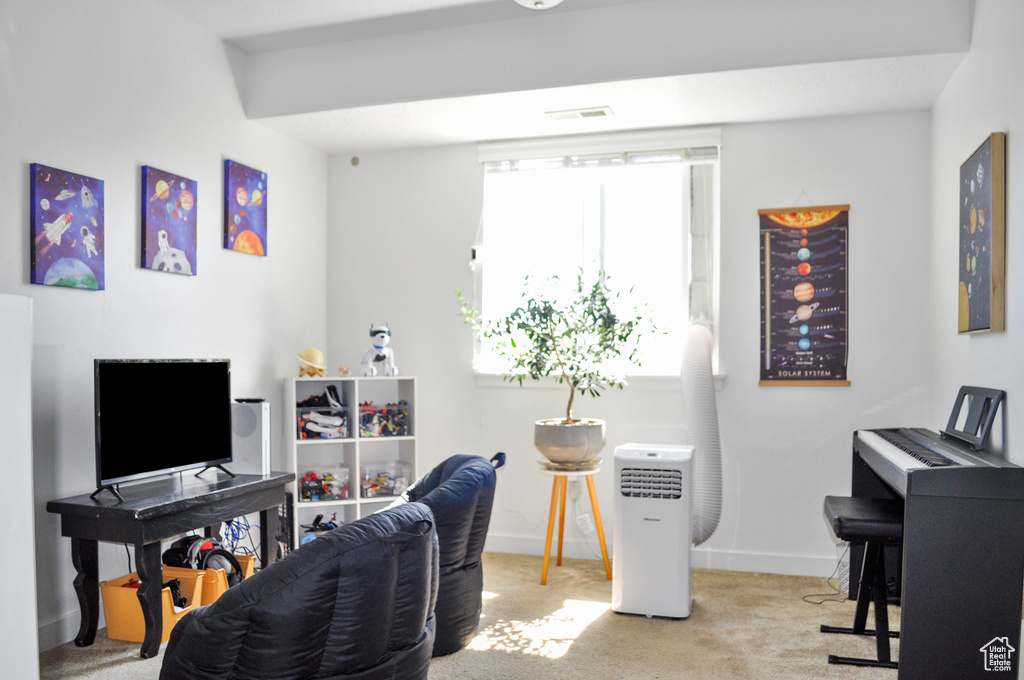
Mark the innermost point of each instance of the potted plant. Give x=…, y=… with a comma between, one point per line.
x=571, y=340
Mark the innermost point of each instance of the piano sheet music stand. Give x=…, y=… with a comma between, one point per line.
x=982, y=406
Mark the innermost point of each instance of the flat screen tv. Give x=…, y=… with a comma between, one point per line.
x=160, y=416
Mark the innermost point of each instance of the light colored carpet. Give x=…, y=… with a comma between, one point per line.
x=743, y=625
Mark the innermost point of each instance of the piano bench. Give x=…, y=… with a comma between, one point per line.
x=876, y=523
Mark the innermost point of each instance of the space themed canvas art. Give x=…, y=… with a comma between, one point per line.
x=245, y=209
x=804, y=295
x=982, y=225
x=168, y=222
x=67, y=244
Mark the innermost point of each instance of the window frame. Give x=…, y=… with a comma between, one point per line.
x=708, y=228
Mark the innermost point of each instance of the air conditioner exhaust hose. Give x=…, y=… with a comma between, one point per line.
x=701, y=413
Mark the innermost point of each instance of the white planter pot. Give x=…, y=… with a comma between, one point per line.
x=569, y=444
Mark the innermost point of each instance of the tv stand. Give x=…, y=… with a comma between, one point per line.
x=149, y=513
x=219, y=467
x=111, y=488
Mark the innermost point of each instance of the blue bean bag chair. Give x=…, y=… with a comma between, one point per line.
x=460, y=492
x=357, y=603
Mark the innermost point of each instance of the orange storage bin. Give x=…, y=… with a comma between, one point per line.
x=215, y=583
x=124, y=613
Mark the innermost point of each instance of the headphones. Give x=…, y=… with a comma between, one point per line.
x=189, y=552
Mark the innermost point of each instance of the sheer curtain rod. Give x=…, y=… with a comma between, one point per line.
x=647, y=140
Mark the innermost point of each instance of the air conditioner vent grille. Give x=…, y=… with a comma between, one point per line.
x=651, y=483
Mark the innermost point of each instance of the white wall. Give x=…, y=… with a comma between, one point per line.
x=985, y=95
x=417, y=212
x=19, y=642
x=102, y=88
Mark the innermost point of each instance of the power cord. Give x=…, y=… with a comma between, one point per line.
x=574, y=495
x=842, y=568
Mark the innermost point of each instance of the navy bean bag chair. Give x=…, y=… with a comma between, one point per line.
x=357, y=603
x=460, y=492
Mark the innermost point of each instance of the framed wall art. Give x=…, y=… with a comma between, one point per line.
x=804, y=295
x=168, y=222
x=67, y=229
x=982, y=237
x=245, y=209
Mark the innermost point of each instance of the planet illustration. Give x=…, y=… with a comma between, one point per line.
x=238, y=218
x=187, y=200
x=44, y=204
x=804, y=312
x=803, y=242
x=70, y=273
x=242, y=196
x=64, y=195
x=248, y=242
x=803, y=269
x=257, y=197
x=160, y=191
x=974, y=219
x=803, y=292
x=803, y=254
x=804, y=344
x=804, y=329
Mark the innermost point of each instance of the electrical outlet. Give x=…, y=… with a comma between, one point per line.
x=585, y=523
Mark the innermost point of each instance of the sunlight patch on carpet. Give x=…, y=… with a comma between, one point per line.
x=549, y=637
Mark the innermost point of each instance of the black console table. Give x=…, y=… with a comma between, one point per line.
x=153, y=511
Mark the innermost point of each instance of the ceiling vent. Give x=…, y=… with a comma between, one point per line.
x=592, y=112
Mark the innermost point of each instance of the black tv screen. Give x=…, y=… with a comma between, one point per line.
x=157, y=416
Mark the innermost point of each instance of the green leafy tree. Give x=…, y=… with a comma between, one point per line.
x=572, y=340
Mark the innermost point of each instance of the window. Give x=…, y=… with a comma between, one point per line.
x=641, y=208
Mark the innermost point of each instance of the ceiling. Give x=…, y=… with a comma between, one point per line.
x=907, y=74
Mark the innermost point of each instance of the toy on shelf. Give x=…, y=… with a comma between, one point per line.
x=380, y=354
x=391, y=420
x=311, y=362
x=322, y=416
x=326, y=485
x=318, y=528
x=320, y=424
x=384, y=479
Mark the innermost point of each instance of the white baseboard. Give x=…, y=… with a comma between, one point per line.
x=793, y=565
x=55, y=632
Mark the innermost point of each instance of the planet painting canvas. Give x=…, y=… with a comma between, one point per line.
x=804, y=296
x=245, y=209
x=168, y=222
x=982, y=227
x=67, y=235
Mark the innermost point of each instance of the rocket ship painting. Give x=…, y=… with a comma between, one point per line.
x=64, y=205
x=53, y=230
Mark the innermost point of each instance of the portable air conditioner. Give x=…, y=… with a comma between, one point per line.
x=652, y=530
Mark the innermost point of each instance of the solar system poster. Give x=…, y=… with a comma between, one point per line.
x=245, y=209
x=168, y=222
x=803, y=295
x=66, y=229
x=982, y=225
